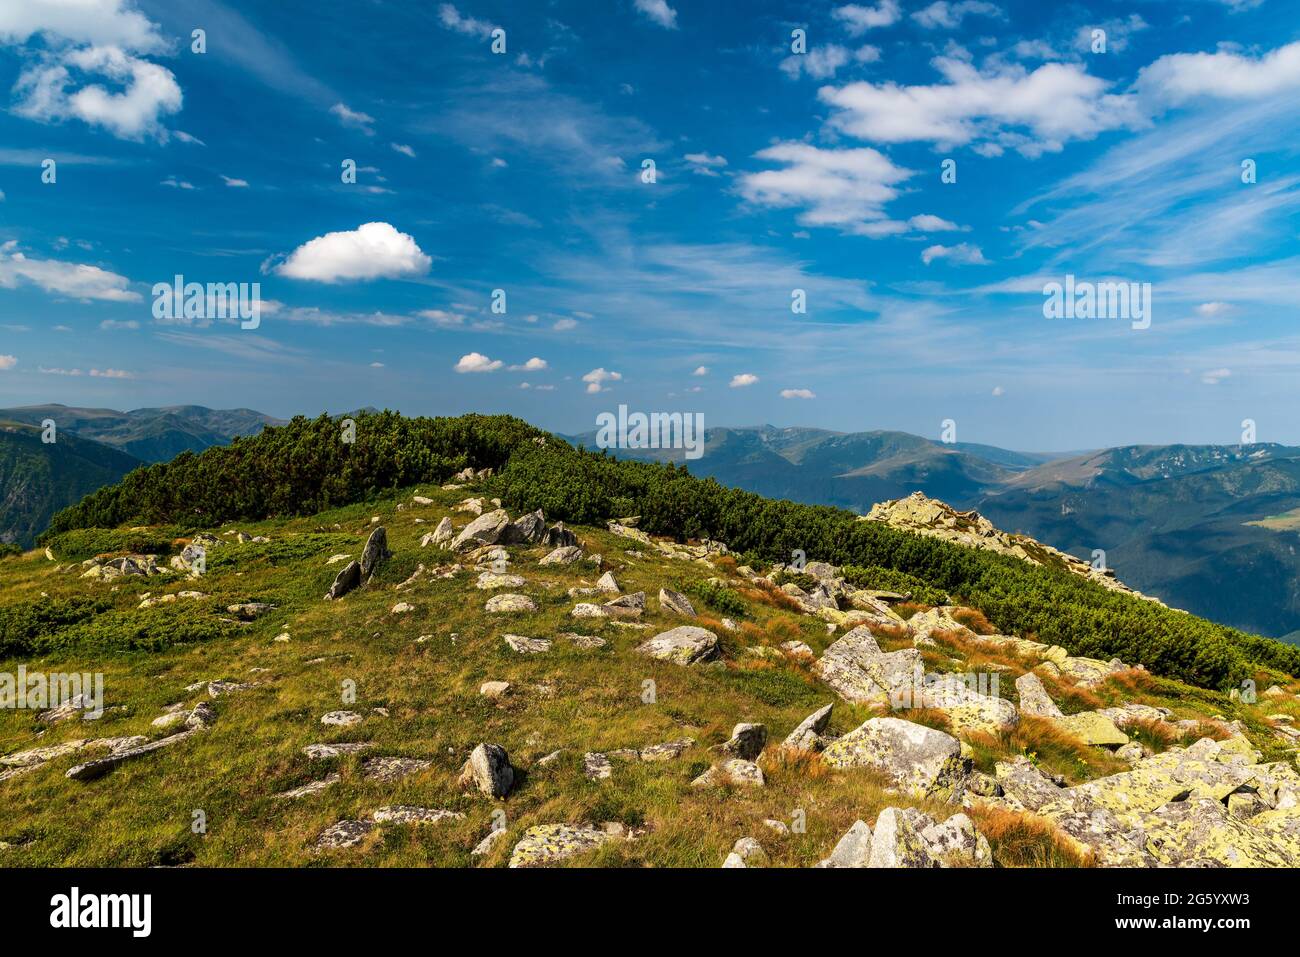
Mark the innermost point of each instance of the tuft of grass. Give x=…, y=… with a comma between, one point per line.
x=1025, y=840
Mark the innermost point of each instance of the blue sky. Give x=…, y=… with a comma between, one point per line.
x=774, y=171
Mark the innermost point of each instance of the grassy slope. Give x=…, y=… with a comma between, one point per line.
x=141, y=813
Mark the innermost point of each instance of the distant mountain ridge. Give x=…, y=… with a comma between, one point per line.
x=93, y=448
x=1213, y=529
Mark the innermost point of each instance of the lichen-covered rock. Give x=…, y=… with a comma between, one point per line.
x=626, y=606
x=392, y=769
x=527, y=529
x=853, y=849
x=956, y=843
x=348, y=578
x=668, y=751
x=488, y=529
x=808, y=735
x=1092, y=728
x=488, y=769
x=564, y=555
x=344, y=834
x=608, y=584
x=1201, y=832
x=489, y=581
x=375, y=553
x=966, y=708
x=409, y=814
x=510, y=604
x=684, y=645
x=340, y=719
x=918, y=759
x=897, y=839
x=858, y=671
x=675, y=602
x=736, y=772
x=441, y=536
x=528, y=646
x=1034, y=698
x=1024, y=787
x=547, y=844
x=747, y=741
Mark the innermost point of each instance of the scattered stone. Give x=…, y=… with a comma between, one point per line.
x=485, y=846
x=494, y=689
x=608, y=584
x=747, y=741
x=345, y=581
x=626, y=606
x=392, y=769
x=320, y=752
x=668, y=751
x=736, y=771
x=217, y=689
x=505, y=604
x=918, y=759
x=490, y=580
x=249, y=610
x=101, y=766
x=527, y=529
x=586, y=642
x=596, y=766
x=315, y=787
x=808, y=735
x=487, y=529
x=588, y=610
x=528, y=646
x=557, y=536
x=375, y=553
x=675, y=602
x=547, y=844
x=856, y=668
x=488, y=769
x=341, y=719
x=1034, y=698
x=684, y=645
x=564, y=555
x=853, y=849
x=408, y=814
x=780, y=827
x=402, y=607
x=1092, y=728
x=344, y=834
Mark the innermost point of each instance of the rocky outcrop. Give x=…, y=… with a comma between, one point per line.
x=856, y=668
x=920, y=760
x=685, y=645
x=808, y=736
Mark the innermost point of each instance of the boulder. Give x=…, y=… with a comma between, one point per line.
x=626, y=606
x=920, y=760
x=856, y=668
x=487, y=581
x=675, y=602
x=527, y=529
x=546, y=844
x=1092, y=728
x=607, y=584
x=528, y=646
x=736, y=772
x=441, y=536
x=808, y=735
x=488, y=529
x=488, y=769
x=1034, y=698
x=375, y=553
x=596, y=766
x=965, y=708
x=564, y=555
x=897, y=840
x=340, y=719
x=387, y=770
x=345, y=581
x=557, y=536
x=853, y=849
x=343, y=834
x=747, y=741
x=408, y=814
x=494, y=689
x=684, y=645
x=508, y=604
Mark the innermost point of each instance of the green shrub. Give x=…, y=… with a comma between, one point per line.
x=876, y=578
x=716, y=596
x=9, y=549
x=24, y=625
x=82, y=543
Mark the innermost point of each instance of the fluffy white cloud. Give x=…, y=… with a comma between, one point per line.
x=8, y=362
x=597, y=378
x=1215, y=376
x=477, y=362
x=798, y=394
x=1002, y=107
x=659, y=12
x=1226, y=75
x=371, y=251
x=858, y=19
x=535, y=364
x=46, y=92
x=63, y=278
x=844, y=188
x=701, y=370
x=89, y=22
x=742, y=379
x=963, y=254
x=950, y=15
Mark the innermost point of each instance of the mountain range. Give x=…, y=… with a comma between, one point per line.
x=1207, y=528
x=93, y=448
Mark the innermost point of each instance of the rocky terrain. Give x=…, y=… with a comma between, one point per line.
x=428, y=680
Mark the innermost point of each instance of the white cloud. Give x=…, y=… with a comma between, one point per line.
x=535, y=364
x=376, y=365
x=452, y=19
x=819, y=62
x=597, y=378
x=844, y=188
x=371, y=251
x=404, y=149
x=1215, y=376
x=998, y=390
x=477, y=362
x=963, y=254
x=47, y=92
x=109, y=325
x=659, y=12
x=187, y=138
x=75, y=280
x=7, y=363
x=798, y=394
x=175, y=183
x=927, y=223
x=353, y=118
x=234, y=183
x=701, y=370
x=950, y=15
x=1213, y=309
x=743, y=379
x=1226, y=75
x=112, y=373
x=89, y=22
x=1002, y=107
x=1117, y=33
x=858, y=19
x=702, y=164
x=564, y=325
x=59, y=371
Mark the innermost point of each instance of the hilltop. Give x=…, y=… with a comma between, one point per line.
x=539, y=655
